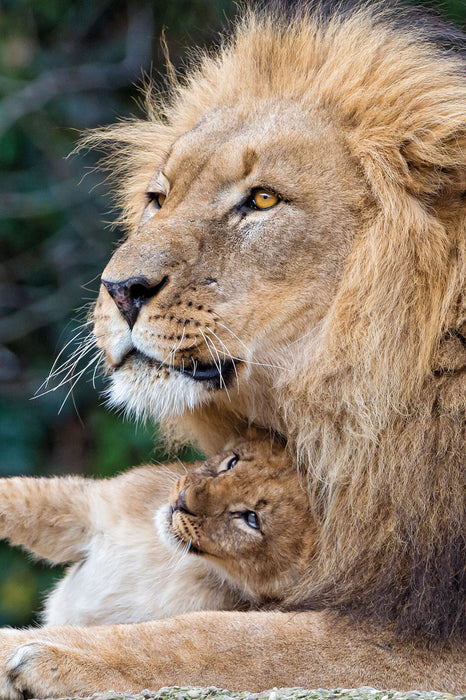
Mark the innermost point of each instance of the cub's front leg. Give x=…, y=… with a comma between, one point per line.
x=49, y=517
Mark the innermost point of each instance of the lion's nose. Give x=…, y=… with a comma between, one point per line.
x=132, y=294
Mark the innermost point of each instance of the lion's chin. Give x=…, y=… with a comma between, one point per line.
x=155, y=394
x=147, y=389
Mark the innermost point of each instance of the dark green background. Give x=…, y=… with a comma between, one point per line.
x=66, y=66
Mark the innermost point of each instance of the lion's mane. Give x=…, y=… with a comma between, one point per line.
x=373, y=405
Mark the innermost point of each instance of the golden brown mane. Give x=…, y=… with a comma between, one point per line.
x=374, y=402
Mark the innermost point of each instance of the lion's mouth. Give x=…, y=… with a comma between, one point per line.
x=220, y=372
x=216, y=376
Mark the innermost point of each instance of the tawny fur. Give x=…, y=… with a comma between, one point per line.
x=345, y=304
x=265, y=558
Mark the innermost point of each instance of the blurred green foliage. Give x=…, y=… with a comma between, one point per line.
x=65, y=67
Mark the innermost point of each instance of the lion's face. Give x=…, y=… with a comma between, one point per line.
x=241, y=244
x=246, y=512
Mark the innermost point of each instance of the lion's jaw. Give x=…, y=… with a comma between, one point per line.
x=238, y=286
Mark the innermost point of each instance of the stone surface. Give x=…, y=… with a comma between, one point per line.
x=212, y=693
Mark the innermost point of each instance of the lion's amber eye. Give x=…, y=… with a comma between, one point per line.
x=156, y=198
x=263, y=199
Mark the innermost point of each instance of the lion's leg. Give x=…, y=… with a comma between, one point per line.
x=49, y=517
x=234, y=650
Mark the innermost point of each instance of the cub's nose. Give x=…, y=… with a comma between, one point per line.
x=180, y=503
x=132, y=294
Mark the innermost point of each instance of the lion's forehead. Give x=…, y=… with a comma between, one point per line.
x=228, y=144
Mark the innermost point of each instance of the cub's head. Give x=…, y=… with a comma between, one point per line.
x=245, y=512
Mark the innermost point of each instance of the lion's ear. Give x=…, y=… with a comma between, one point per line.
x=422, y=150
x=435, y=158
x=405, y=275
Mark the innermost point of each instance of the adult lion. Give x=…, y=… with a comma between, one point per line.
x=300, y=265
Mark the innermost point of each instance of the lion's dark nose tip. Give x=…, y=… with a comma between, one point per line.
x=131, y=295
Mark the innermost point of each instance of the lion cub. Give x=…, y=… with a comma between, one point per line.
x=156, y=541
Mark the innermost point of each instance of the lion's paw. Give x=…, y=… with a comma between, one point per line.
x=9, y=641
x=29, y=671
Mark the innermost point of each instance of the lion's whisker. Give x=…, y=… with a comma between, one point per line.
x=174, y=349
x=94, y=374
x=244, y=360
x=74, y=359
x=53, y=370
x=67, y=369
x=209, y=343
x=95, y=359
x=234, y=335
x=227, y=353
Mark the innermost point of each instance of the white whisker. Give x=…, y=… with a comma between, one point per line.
x=70, y=368
x=53, y=371
x=217, y=363
x=78, y=377
x=233, y=334
x=244, y=360
x=226, y=353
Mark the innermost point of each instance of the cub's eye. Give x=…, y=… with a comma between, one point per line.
x=262, y=199
x=251, y=519
x=156, y=199
x=229, y=463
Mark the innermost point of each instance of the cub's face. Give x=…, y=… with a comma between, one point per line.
x=245, y=512
x=247, y=222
